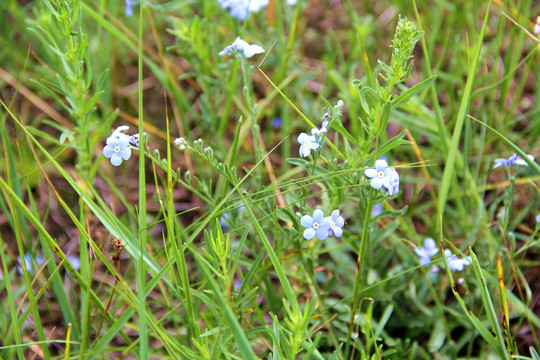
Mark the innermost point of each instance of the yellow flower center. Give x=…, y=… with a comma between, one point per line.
x=381, y=174
x=117, y=149
x=315, y=225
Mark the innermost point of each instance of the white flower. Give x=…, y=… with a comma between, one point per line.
x=425, y=253
x=455, y=263
x=241, y=46
x=307, y=143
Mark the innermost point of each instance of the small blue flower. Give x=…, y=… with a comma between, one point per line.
x=318, y=225
x=129, y=8
x=276, y=122
x=538, y=218
x=225, y=219
x=336, y=224
x=320, y=133
x=134, y=140
x=28, y=262
x=242, y=47
x=75, y=261
x=377, y=210
x=455, y=263
x=307, y=143
x=514, y=159
x=425, y=253
x=383, y=176
x=117, y=149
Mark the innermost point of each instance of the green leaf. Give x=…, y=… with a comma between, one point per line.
x=403, y=98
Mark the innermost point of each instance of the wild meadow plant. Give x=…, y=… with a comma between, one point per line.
x=284, y=196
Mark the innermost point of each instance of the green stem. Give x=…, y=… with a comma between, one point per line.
x=359, y=270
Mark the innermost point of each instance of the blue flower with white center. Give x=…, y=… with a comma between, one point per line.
x=336, y=223
x=242, y=47
x=514, y=159
x=117, y=149
x=383, y=176
x=318, y=225
x=307, y=143
x=455, y=263
x=425, y=253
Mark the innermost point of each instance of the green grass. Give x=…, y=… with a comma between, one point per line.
x=198, y=252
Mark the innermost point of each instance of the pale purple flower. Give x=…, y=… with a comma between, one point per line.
x=537, y=26
x=377, y=210
x=425, y=253
x=28, y=262
x=242, y=47
x=307, y=143
x=383, y=176
x=455, y=263
x=514, y=159
x=336, y=223
x=318, y=225
x=75, y=261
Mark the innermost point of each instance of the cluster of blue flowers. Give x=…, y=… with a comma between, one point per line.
x=430, y=249
x=512, y=160
x=321, y=226
x=241, y=9
x=117, y=145
x=384, y=177
x=242, y=47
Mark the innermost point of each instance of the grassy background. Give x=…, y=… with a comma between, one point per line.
x=184, y=287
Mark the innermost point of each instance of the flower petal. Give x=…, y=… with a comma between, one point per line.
x=108, y=150
x=376, y=183
x=322, y=234
x=380, y=165
x=337, y=231
x=370, y=173
x=318, y=215
x=125, y=153
x=116, y=159
x=309, y=233
x=306, y=221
